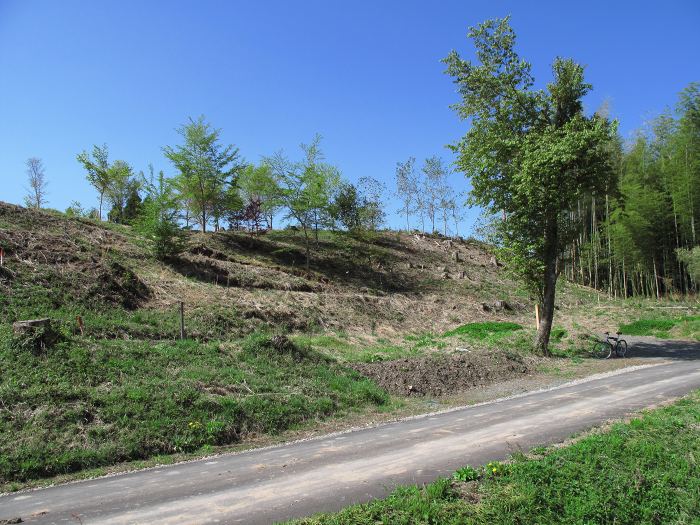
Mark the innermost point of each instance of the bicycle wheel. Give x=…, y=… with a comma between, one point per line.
x=602, y=349
x=621, y=348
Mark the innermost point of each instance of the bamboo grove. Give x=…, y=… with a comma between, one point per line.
x=640, y=238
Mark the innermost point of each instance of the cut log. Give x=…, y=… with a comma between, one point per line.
x=22, y=327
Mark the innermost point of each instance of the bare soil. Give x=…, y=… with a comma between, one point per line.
x=73, y=260
x=445, y=374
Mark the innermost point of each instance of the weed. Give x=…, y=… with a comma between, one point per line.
x=467, y=473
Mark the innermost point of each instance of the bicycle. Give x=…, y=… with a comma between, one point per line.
x=604, y=349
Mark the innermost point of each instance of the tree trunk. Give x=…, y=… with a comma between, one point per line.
x=594, y=241
x=656, y=282
x=547, y=310
x=308, y=252
x=101, y=196
x=607, y=235
x=549, y=288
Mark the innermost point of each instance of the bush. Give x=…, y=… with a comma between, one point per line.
x=167, y=238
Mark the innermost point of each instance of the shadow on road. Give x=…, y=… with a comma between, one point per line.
x=648, y=347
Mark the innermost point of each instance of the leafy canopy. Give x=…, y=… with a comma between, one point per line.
x=530, y=153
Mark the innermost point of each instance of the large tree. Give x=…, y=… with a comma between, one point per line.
x=530, y=154
x=206, y=170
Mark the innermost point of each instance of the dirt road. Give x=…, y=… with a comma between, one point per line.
x=330, y=472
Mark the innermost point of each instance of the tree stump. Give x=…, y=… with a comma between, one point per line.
x=35, y=335
x=502, y=305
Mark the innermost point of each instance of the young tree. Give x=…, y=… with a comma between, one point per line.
x=371, y=192
x=305, y=188
x=456, y=210
x=121, y=186
x=36, y=177
x=407, y=187
x=134, y=203
x=207, y=170
x=158, y=217
x=434, y=186
x=76, y=210
x=529, y=154
x=346, y=207
x=691, y=258
x=258, y=183
x=446, y=205
x=97, y=169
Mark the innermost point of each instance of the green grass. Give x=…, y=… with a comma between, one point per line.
x=644, y=471
x=688, y=326
x=89, y=403
x=486, y=330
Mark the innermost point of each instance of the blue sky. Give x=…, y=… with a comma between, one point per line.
x=365, y=74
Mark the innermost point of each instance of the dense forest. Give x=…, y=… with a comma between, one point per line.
x=641, y=236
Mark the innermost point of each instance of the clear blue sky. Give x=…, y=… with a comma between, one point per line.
x=365, y=74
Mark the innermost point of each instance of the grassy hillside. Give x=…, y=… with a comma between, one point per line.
x=270, y=347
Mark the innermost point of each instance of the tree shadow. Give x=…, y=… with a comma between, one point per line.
x=327, y=260
x=650, y=348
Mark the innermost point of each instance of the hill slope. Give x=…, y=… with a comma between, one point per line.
x=378, y=320
x=233, y=283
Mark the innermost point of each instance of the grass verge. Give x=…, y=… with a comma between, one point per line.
x=90, y=403
x=643, y=471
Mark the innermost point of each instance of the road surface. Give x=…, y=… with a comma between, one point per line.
x=330, y=472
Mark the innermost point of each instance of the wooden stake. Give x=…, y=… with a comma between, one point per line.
x=182, y=320
x=2, y=257
x=537, y=317
x=81, y=326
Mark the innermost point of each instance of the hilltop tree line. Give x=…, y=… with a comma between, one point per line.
x=213, y=187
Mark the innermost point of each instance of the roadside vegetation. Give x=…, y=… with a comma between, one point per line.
x=92, y=403
x=641, y=471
